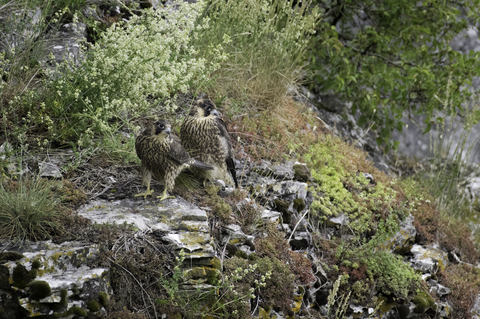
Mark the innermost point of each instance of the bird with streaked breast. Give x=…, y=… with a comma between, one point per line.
x=204, y=135
x=163, y=157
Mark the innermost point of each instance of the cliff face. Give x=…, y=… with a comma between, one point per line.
x=319, y=227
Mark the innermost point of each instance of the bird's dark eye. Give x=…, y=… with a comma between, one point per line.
x=162, y=126
x=209, y=108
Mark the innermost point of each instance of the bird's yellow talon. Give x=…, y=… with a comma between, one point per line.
x=147, y=193
x=164, y=195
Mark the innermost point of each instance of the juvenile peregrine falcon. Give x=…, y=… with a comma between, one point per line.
x=163, y=157
x=204, y=134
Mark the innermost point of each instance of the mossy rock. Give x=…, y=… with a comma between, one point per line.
x=39, y=290
x=10, y=256
x=21, y=276
x=104, y=298
x=4, y=277
x=93, y=306
x=36, y=264
x=423, y=301
x=77, y=311
x=301, y=172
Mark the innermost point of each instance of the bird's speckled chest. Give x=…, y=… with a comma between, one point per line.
x=154, y=152
x=201, y=136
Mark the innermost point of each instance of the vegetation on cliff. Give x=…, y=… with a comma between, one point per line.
x=250, y=57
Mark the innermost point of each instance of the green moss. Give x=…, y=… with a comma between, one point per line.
x=103, y=298
x=39, y=290
x=4, y=277
x=21, y=276
x=301, y=172
x=361, y=290
x=10, y=256
x=241, y=254
x=63, y=296
x=93, y=306
x=222, y=209
x=36, y=264
x=77, y=311
x=299, y=204
x=75, y=289
x=216, y=263
x=391, y=275
x=33, y=273
x=423, y=301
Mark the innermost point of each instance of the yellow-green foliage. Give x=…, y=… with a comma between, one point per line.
x=327, y=166
x=391, y=275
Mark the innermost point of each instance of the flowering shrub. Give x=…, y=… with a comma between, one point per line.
x=134, y=65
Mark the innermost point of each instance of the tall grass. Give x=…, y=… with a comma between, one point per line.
x=452, y=146
x=265, y=42
x=29, y=210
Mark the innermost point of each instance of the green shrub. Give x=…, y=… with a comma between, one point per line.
x=398, y=59
x=134, y=66
x=392, y=276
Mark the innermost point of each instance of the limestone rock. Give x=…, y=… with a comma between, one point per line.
x=428, y=259
x=59, y=278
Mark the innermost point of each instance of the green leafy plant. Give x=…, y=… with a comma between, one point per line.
x=171, y=284
x=392, y=57
x=134, y=66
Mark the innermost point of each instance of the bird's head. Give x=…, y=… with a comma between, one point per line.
x=162, y=127
x=205, y=108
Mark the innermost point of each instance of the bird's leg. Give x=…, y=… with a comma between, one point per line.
x=164, y=194
x=147, y=193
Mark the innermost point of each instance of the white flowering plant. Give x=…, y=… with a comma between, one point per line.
x=134, y=66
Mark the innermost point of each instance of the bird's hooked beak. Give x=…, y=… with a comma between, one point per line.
x=216, y=113
x=168, y=130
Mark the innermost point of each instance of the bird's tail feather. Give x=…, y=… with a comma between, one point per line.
x=231, y=168
x=202, y=165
